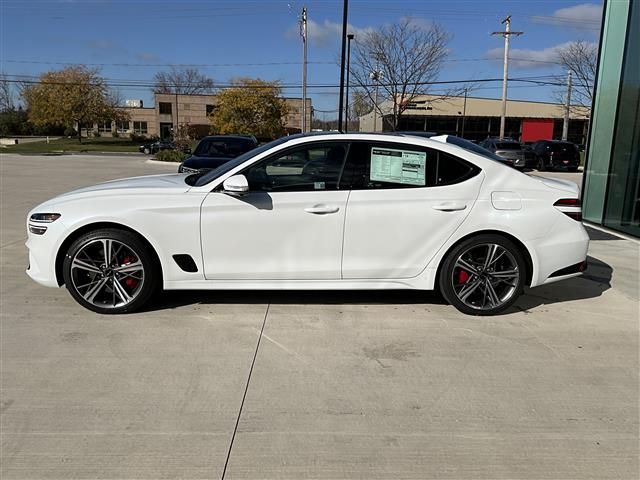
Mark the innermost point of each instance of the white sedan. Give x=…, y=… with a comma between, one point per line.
x=333, y=212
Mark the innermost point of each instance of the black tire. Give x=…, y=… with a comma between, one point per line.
x=139, y=284
x=540, y=164
x=451, y=270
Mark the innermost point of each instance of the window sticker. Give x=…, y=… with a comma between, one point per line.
x=398, y=166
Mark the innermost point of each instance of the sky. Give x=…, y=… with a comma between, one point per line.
x=130, y=40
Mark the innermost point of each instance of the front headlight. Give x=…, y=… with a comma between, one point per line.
x=41, y=218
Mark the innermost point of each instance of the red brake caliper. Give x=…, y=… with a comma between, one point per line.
x=463, y=276
x=129, y=281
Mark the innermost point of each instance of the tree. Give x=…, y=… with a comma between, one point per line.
x=6, y=96
x=361, y=104
x=75, y=95
x=580, y=58
x=251, y=107
x=188, y=81
x=401, y=59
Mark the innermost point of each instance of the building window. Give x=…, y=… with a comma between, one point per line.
x=140, y=127
x=210, y=109
x=104, y=127
x=122, y=126
x=165, y=108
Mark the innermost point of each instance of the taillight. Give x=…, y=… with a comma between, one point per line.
x=571, y=207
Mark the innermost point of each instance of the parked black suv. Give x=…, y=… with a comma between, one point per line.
x=552, y=154
x=215, y=150
x=510, y=150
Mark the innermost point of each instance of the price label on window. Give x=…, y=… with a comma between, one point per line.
x=398, y=166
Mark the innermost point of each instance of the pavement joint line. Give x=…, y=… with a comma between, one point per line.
x=246, y=389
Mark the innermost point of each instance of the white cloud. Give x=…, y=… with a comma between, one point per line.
x=529, y=58
x=584, y=16
x=328, y=33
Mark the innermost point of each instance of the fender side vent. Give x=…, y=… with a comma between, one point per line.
x=185, y=262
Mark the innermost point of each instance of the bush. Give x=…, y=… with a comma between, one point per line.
x=170, y=156
x=70, y=132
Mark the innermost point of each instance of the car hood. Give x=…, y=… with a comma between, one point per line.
x=171, y=183
x=555, y=183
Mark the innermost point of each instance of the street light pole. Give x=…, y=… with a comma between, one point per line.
x=350, y=37
x=345, y=12
x=506, y=34
x=303, y=33
x=567, y=109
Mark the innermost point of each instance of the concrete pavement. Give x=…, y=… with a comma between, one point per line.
x=322, y=385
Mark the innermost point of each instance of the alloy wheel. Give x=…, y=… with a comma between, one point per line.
x=107, y=273
x=485, y=276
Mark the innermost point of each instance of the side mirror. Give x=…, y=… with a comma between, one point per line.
x=236, y=185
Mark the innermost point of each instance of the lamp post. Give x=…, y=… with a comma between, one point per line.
x=350, y=37
x=345, y=10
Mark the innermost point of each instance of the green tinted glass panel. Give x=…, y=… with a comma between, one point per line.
x=622, y=210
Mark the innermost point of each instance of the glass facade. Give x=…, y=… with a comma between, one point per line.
x=612, y=174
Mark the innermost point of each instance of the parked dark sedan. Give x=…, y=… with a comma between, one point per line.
x=507, y=149
x=216, y=150
x=155, y=147
x=552, y=154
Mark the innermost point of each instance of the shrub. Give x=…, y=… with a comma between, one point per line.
x=170, y=156
x=70, y=132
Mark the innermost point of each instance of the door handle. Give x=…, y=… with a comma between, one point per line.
x=450, y=206
x=322, y=209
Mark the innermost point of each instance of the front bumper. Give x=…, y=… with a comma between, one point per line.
x=42, y=254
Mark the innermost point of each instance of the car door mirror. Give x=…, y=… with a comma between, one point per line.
x=236, y=185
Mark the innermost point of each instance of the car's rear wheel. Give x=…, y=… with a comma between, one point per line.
x=110, y=271
x=484, y=275
x=540, y=164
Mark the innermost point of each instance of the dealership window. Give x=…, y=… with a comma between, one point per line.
x=165, y=108
x=104, y=127
x=622, y=203
x=140, y=128
x=122, y=126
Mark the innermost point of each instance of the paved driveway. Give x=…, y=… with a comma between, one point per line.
x=311, y=384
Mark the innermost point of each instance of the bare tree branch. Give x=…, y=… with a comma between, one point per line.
x=581, y=58
x=403, y=58
x=188, y=81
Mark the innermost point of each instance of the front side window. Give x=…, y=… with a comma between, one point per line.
x=384, y=166
x=309, y=168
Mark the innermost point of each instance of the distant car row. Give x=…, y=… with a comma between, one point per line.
x=215, y=150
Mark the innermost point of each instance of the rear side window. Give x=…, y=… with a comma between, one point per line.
x=384, y=166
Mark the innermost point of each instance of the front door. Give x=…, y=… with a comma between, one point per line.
x=290, y=224
x=406, y=201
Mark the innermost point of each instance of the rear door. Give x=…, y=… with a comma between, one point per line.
x=405, y=202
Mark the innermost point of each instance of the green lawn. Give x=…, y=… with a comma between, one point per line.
x=72, y=145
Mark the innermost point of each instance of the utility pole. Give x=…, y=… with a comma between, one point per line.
x=345, y=12
x=376, y=76
x=464, y=111
x=350, y=37
x=506, y=34
x=567, y=108
x=303, y=33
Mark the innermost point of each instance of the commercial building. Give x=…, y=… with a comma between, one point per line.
x=611, y=183
x=171, y=110
x=478, y=118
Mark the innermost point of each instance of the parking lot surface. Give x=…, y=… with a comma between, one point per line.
x=321, y=385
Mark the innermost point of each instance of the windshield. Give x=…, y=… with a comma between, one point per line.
x=199, y=181
x=562, y=147
x=467, y=145
x=508, y=146
x=223, y=147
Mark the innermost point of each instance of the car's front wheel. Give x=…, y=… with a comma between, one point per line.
x=484, y=275
x=110, y=271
